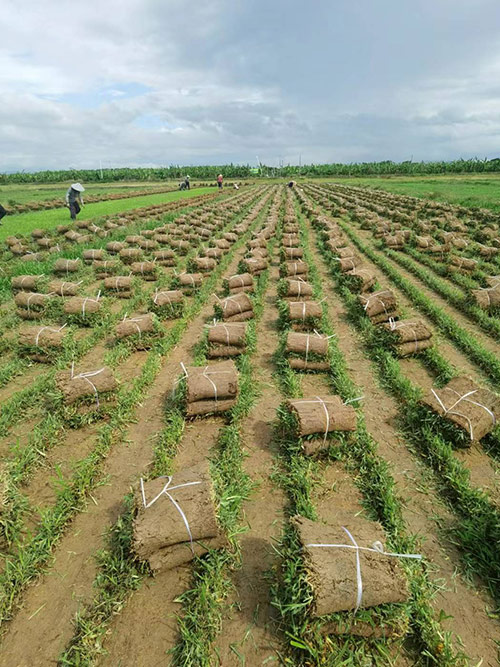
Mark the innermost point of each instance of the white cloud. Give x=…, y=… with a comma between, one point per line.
x=155, y=81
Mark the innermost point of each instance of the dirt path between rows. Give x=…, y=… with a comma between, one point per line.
x=247, y=635
x=422, y=507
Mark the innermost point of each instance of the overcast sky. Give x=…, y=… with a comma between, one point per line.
x=159, y=82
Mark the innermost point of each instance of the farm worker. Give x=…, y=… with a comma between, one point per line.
x=186, y=183
x=3, y=213
x=219, y=181
x=74, y=199
x=291, y=184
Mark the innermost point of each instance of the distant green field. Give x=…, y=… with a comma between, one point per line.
x=25, y=222
x=37, y=192
x=467, y=190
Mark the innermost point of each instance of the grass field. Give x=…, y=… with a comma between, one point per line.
x=74, y=577
x=468, y=190
x=21, y=193
x=25, y=222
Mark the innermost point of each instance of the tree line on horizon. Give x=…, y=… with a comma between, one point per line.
x=210, y=172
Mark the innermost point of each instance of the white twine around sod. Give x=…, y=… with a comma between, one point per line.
x=89, y=299
x=377, y=547
x=86, y=376
x=48, y=329
x=465, y=397
x=164, y=492
x=404, y=325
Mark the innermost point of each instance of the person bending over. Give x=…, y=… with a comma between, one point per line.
x=74, y=199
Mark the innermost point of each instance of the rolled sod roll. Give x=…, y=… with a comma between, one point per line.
x=255, y=265
x=135, y=326
x=298, y=288
x=26, y=282
x=105, y=268
x=292, y=253
x=90, y=255
x=164, y=257
x=43, y=337
x=302, y=364
x=129, y=255
x=211, y=389
x=259, y=242
x=487, y=298
x=407, y=331
x=360, y=280
x=230, y=334
x=229, y=236
x=291, y=228
x=132, y=239
x=19, y=249
x=146, y=269
x=337, y=243
x=303, y=310
x=214, y=253
x=175, y=518
x=162, y=239
x=148, y=244
x=63, y=287
x=38, y=233
x=259, y=253
x=85, y=384
x=378, y=303
x=72, y=235
x=235, y=306
x=332, y=571
x=319, y=415
x=298, y=268
x=31, y=300
x=45, y=242
x=118, y=283
x=204, y=264
x=414, y=347
x=493, y=281
x=304, y=343
x=291, y=240
x=67, y=266
x=424, y=241
x=347, y=264
x=240, y=281
x=82, y=305
x=114, y=247
x=464, y=263
x=33, y=257
x=468, y=406
x=167, y=297
x=181, y=246
x=190, y=279
x=384, y=317
x=345, y=253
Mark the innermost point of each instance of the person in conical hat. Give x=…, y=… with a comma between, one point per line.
x=74, y=200
x=219, y=181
